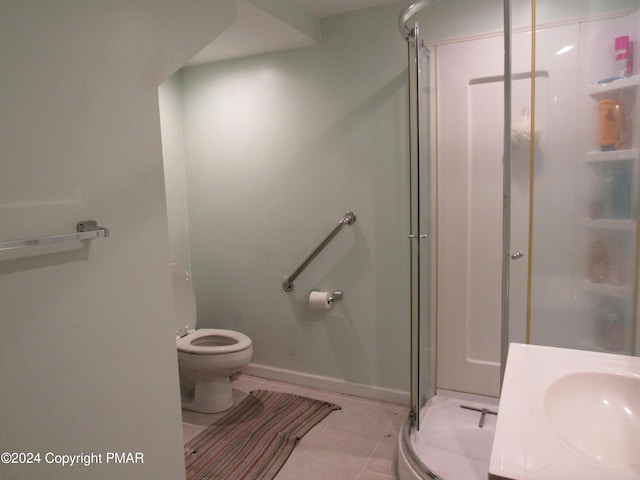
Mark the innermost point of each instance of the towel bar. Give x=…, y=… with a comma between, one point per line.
x=85, y=230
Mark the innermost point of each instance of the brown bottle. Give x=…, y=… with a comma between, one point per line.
x=598, y=262
x=612, y=332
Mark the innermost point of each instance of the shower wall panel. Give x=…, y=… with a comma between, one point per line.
x=470, y=215
x=470, y=165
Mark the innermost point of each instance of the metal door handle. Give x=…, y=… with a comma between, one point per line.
x=517, y=255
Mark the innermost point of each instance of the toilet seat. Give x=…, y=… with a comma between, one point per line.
x=213, y=341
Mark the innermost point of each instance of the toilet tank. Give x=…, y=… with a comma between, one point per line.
x=184, y=301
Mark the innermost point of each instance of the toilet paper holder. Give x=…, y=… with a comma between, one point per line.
x=336, y=296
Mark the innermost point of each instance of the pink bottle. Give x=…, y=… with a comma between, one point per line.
x=623, y=56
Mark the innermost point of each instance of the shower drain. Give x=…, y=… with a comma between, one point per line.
x=484, y=412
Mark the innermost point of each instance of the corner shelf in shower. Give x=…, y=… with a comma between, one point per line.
x=598, y=89
x=611, y=224
x=607, y=289
x=603, y=162
x=597, y=157
x=594, y=347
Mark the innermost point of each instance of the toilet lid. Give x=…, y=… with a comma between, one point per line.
x=211, y=341
x=184, y=301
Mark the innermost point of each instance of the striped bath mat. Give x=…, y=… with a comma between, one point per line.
x=255, y=438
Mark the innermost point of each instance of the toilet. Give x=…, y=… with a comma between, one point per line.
x=206, y=357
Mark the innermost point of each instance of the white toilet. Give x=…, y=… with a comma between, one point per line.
x=206, y=357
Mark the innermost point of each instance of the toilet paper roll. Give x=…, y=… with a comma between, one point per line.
x=320, y=300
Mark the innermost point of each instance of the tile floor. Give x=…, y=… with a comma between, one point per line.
x=355, y=443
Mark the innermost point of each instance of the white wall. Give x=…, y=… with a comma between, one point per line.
x=470, y=130
x=87, y=355
x=278, y=148
x=171, y=119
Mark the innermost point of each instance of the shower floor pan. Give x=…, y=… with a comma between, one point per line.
x=450, y=442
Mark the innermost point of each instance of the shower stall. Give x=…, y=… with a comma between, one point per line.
x=525, y=146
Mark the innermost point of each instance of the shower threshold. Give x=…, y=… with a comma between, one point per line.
x=450, y=443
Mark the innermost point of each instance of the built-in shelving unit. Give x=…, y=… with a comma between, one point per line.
x=612, y=219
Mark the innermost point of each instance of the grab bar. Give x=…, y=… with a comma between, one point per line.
x=85, y=230
x=348, y=219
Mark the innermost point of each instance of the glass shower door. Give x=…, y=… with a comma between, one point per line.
x=423, y=376
x=584, y=242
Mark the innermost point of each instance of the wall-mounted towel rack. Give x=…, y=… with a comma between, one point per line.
x=348, y=219
x=85, y=230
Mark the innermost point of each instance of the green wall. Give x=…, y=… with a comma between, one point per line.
x=278, y=148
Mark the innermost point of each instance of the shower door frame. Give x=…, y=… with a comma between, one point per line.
x=423, y=225
x=423, y=215
x=422, y=235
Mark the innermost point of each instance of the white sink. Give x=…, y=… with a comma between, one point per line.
x=598, y=414
x=567, y=414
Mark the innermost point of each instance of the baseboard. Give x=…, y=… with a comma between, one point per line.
x=329, y=384
x=468, y=397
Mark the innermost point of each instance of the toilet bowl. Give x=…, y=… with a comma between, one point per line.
x=207, y=357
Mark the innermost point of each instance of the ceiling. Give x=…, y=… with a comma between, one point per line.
x=270, y=34
x=326, y=8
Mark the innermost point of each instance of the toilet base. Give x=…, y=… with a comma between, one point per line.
x=211, y=396
x=207, y=376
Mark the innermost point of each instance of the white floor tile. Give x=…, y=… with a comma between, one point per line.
x=354, y=443
x=343, y=446
x=358, y=442
x=309, y=468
